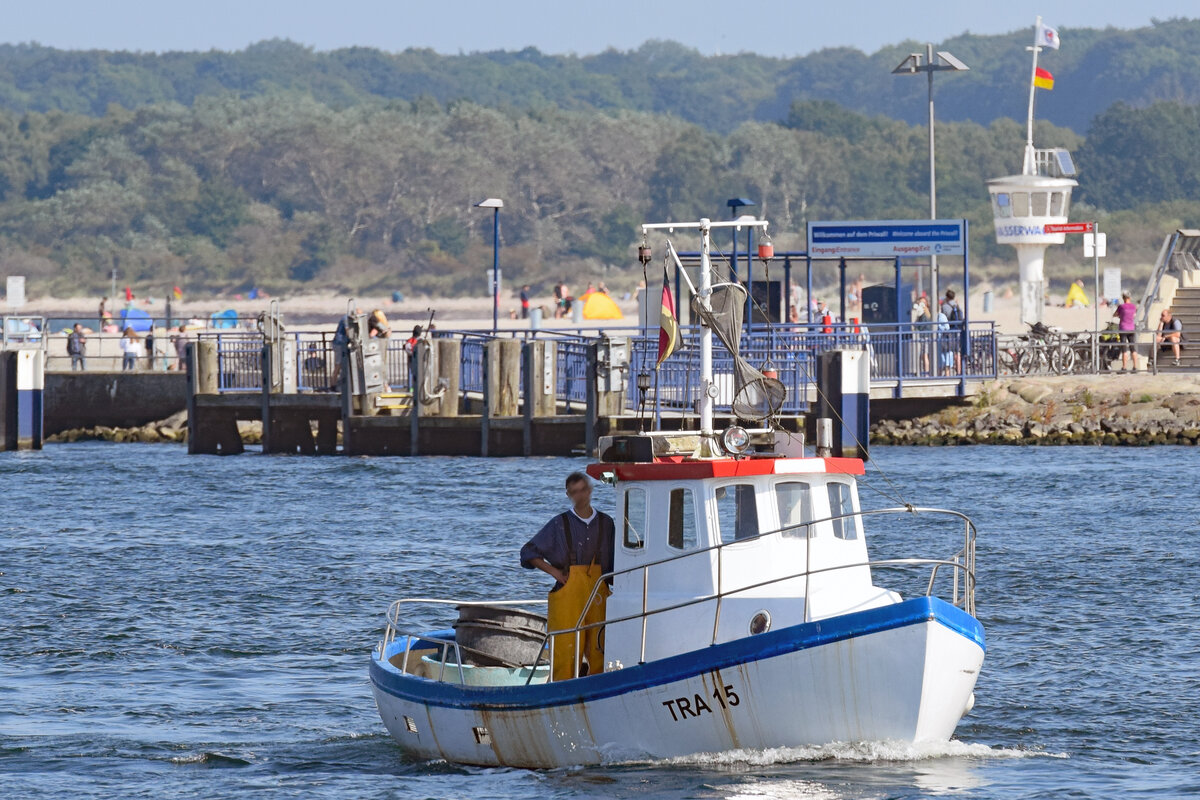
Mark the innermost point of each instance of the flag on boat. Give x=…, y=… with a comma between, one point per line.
x=1043, y=79
x=668, y=334
x=1046, y=36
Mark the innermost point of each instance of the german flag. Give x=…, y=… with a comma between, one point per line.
x=668, y=333
x=1043, y=79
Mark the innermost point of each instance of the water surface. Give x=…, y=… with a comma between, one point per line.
x=201, y=626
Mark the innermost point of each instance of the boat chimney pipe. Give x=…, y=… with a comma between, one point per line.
x=824, y=437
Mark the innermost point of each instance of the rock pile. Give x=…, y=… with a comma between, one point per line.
x=1126, y=410
x=171, y=429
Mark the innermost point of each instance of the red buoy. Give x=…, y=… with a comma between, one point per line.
x=766, y=251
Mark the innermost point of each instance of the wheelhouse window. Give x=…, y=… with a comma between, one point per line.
x=737, y=514
x=841, y=504
x=635, y=519
x=794, y=499
x=1056, y=204
x=1020, y=202
x=1003, y=205
x=1038, y=204
x=681, y=530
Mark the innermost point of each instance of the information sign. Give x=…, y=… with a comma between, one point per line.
x=1095, y=245
x=15, y=291
x=1068, y=227
x=886, y=238
x=1112, y=283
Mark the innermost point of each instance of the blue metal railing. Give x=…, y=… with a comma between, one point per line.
x=571, y=372
x=899, y=353
x=239, y=361
x=316, y=361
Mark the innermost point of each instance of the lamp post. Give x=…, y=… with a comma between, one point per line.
x=494, y=203
x=734, y=204
x=925, y=62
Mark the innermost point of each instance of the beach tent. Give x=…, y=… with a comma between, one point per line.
x=225, y=319
x=598, y=305
x=137, y=319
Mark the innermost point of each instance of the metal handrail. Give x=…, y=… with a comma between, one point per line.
x=968, y=566
x=962, y=562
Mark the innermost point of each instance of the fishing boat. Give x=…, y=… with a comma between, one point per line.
x=745, y=611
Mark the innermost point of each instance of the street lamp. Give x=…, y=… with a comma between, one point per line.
x=494, y=203
x=918, y=62
x=734, y=204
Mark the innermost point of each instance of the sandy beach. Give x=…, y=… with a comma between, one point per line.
x=475, y=312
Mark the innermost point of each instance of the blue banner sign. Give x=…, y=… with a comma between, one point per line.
x=886, y=238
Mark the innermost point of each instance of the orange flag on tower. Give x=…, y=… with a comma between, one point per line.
x=668, y=334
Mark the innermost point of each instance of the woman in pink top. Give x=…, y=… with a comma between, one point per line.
x=1126, y=314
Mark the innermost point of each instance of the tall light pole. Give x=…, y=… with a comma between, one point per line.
x=494, y=203
x=925, y=62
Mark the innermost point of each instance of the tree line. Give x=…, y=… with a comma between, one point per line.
x=1095, y=69
x=283, y=192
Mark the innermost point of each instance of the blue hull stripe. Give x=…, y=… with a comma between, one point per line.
x=680, y=667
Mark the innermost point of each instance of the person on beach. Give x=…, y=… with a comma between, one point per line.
x=104, y=316
x=131, y=348
x=576, y=549
x=1170, y=331
x=1126, y=315
x=77, y=347
x=525, y=301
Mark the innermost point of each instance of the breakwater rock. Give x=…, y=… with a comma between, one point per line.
x=171, y=429
x=1139, y=409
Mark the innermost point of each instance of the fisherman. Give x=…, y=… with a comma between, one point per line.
x=575, y=548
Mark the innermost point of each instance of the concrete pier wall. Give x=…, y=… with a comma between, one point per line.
x=116, y=399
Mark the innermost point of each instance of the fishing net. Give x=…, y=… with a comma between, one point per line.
x=756, y=397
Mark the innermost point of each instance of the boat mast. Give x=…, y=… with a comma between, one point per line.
x=708, y=389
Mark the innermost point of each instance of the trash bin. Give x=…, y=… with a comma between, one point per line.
x=987, y=302
x=535, y=319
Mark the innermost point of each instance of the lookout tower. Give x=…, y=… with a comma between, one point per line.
x=1022, y=205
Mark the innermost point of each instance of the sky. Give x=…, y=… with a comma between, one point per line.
x=767, y=27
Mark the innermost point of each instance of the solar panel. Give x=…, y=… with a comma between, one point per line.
x=1066, y=167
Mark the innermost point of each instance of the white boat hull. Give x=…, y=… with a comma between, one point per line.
x=904, y=672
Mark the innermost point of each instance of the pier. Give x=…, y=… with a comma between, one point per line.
x=528, y=392
x=514, y=393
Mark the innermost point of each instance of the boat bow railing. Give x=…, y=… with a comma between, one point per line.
x=961, y=564
x=444, y=645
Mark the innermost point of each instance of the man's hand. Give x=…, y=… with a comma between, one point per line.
x=551, y=570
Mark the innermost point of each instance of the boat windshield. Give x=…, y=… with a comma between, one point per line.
x=794, y=499
x=635, y=518
x=737, y=514
x=841, y=502
x=682, y=532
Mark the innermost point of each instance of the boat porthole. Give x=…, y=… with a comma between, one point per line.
x=760, y=623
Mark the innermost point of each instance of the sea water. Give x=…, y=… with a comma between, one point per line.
x=175, y=625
